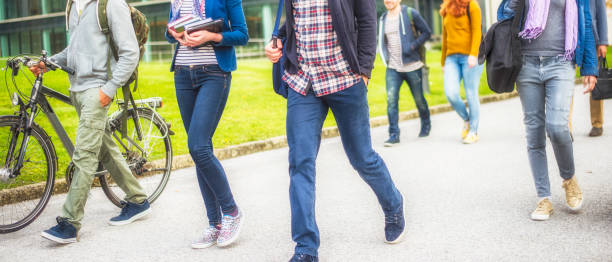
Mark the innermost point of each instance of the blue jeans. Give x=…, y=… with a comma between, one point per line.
x=455, y=69
x=305, y=116
x=546, y=87
x=201, y=93
x=415, y=83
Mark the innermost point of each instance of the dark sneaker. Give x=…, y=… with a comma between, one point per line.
x=62, y=233
x=596, y=131
x=425, y=129
x=303, y=258
x=394, y=226
x=230, y=229
x=392, y=141
x=130, y=213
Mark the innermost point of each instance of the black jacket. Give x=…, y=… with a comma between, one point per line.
x=355, y=24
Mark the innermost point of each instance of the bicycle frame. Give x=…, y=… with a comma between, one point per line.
x=38, y=101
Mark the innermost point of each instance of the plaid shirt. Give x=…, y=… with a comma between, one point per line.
x=319, y=54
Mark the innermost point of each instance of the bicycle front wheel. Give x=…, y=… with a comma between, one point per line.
x=150, y=158
x=23, y=198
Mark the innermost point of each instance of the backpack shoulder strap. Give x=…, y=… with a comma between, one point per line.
x=409, y=11
x=105, y=27
x=102, y=18
x=68, y=9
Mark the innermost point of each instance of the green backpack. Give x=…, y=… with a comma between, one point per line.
x=141, y=28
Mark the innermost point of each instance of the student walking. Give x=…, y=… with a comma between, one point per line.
x=91, y=94
x=461, y=36
x=202, y=66
x=330, y=48
x=402, y=33
x=557, y=36
x=600, y=31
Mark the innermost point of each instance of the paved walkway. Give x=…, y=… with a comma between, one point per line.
x=463, y=203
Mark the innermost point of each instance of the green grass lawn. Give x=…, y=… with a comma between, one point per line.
x=253, y=112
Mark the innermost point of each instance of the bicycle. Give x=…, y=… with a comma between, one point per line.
x=27, y=153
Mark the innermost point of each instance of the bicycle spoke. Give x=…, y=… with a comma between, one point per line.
x=148, y=158
x=17, y=207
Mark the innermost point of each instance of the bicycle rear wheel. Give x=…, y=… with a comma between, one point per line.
x=22, y=199
x=150, y=159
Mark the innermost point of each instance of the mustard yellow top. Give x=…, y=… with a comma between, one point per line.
x=459, y=36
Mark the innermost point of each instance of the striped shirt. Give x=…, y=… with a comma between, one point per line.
x=194, y=56
x=394, y=45
x=320, y=57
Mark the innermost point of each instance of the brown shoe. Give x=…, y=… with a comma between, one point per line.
x=543, y=211
x=573, y=194
x=596, y=131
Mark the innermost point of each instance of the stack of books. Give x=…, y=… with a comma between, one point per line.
x=189, y=23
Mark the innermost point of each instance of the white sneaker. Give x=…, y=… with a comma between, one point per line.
x=208, y=239
x=230, y=229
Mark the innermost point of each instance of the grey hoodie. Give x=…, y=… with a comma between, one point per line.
x=88, y=51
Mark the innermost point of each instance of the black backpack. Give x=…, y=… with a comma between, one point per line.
x=501, y=49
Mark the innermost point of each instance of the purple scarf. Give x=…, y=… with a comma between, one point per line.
x=536, y=23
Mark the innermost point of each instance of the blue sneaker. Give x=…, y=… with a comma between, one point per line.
x=130, y=213
x=394, y=226
x=62, y=233
x=303, y=258
x=392, y=141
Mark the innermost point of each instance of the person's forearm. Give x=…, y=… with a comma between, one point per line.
x=365, y=12
x=125, y=40
x=239, y=35
x=423, y=28
x=61, y=58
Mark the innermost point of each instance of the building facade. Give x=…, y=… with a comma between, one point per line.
x=28, y=26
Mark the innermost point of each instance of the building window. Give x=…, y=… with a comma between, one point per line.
x=14, y=44
x=36, y=39
x=34, y=7
x=253, y=17
x=58, y=40
x=26, y=47
x=57, y=6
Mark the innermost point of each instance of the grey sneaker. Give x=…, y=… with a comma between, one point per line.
x=208, y=239
x=230, y=229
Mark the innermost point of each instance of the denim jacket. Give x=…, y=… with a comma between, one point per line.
x=585, y=56
x=234, y=33
x=409, y=42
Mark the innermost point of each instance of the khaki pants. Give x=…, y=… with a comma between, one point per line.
x=94, y=143
x=596, y=113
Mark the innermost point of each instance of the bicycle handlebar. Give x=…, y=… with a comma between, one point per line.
x=15, y=63
x=66, y=69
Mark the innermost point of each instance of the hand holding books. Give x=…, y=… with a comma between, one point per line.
x=195, y=32
x=202, y=37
